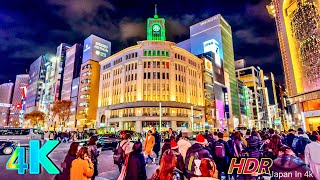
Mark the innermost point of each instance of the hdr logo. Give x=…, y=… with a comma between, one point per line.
x=37, y=156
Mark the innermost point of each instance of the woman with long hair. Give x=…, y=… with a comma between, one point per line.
x=66, y=165
x=82, y=167
x=135, y=167
x=167, y=169
x=272, y=148
x=93, y=153
x=208, y=170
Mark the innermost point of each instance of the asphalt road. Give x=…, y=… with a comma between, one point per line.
x=107, y=170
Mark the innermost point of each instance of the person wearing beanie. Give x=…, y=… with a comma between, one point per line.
x=180, y=162
x=195, y=153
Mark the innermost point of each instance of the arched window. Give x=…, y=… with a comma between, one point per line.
x=103, y=119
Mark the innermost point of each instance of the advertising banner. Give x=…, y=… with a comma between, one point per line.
x=96, y=48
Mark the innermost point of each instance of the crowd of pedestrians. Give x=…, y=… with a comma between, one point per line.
x=70, y=136
x=208, y=157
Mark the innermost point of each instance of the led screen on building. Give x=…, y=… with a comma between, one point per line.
x=96, y=48
x=205, y=36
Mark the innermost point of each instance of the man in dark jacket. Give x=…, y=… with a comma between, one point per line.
x=196, y=152
x=289, y=167
x=299, y=144
x=157, y=139
x=290, y=137
x=220, y=156
x=136, y=167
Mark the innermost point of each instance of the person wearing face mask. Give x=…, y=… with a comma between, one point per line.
x=82, y=167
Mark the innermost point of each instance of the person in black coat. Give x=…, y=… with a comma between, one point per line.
x=290, y=137
x=157, y=138
x=136, y=167
x=221, y=162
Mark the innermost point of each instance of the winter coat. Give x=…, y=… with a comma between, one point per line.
x=81, y=169
x=136, y=168
x=240, y=147
x=184, y=145
x=289, y=165
x=203, y=153
x=299, y=144
x=65, y=175
x=254, y=144
x=312, y=158
x=126, y=146
x=93, y=154
x=180, y=163
x=289, y=139
x=157, y=140
x=148, y=145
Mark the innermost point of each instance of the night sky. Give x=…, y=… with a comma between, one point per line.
x=30, y=28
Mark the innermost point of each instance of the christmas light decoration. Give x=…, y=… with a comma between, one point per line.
x=305, y=27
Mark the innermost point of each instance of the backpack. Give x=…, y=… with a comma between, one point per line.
x=299, y=144
x=295, y=143
x=192, y=163
x=219, y=150
x=118, y=154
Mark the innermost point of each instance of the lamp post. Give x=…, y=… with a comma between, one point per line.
x=192, y=120
x=160, y=118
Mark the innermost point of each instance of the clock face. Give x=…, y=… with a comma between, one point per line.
x=156, y=28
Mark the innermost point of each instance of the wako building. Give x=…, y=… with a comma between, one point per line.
x=152, y=81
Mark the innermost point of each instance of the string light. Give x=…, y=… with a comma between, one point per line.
x=305, y=27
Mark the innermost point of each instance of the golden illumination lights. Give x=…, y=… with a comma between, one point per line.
x=304, y=26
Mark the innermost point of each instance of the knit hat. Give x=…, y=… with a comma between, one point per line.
x=173, y=144
x=200, y=139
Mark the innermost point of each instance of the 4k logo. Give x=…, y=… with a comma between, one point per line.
x=37, y=156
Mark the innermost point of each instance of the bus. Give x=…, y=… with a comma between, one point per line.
x=21, y=136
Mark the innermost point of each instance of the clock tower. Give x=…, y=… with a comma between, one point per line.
x=156, y=29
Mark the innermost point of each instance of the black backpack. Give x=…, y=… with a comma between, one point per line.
x=219, y=150
x=190, y=164
x=118, y=154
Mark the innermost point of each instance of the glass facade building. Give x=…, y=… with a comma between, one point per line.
x=214, y=35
